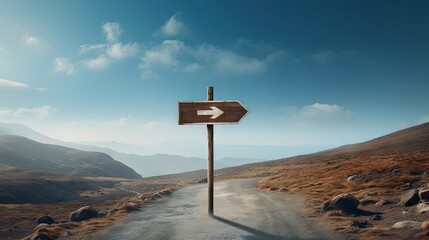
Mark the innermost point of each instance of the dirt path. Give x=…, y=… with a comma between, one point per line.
x=241, y=212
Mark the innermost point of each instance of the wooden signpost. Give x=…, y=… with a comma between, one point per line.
x=208, y=113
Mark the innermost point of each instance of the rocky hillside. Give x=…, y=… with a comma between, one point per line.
x=22, y=153
x=371, y=189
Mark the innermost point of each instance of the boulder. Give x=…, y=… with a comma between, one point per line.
x=344, y=202
x=424, y=193
x=410, y=198
x=45, y=219
x=41, y=236
x=407, y=224
x=83, y=213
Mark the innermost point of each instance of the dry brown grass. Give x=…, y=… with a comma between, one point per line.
x=379, y=177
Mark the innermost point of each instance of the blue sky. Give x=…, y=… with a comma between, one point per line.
x=313, y=74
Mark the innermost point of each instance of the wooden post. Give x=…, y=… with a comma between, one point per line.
x=210, y=162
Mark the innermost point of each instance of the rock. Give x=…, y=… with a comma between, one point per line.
x=83, y=213
x=383, y=202
x=129, y=207
x=351, y=178
x=425, y=225
x=42, y=225
x=41, y=236
x=422, y=207
x=424, y=193
x=67, y=234
x=202, y=180
x=410, y=198
x=376, y=217
x=407, y=224
x=344, y=202
x=45, y=219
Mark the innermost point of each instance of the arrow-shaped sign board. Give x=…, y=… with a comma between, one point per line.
x=211, y=112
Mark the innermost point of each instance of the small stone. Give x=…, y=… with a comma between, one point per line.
x=425, y=225
x=42, y=225
x=45, y=219
x=422, y=207
x=410, y=198
x=407, y=224
x=383, y=202
x=344, y=202
x=67, y=234
x=83, y=213
x=351, y=178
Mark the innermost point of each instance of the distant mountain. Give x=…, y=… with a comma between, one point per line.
x=23, y=153
x=163, y=164
x=147, y=165
x=24, y=131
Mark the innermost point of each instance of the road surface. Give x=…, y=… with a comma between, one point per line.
x=241, y=212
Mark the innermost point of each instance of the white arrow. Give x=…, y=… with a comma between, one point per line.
x=215, y=112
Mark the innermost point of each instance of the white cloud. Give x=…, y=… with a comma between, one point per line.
x=318, y=114
x=122, y=51
x=105, y=53
x=173, y=26
x=63, y=65
x=112, y=31
x=33, y=41
x=38, y=112
x=226, y=61
x=163, y=55
x=101, y=62
x=319, y=109
x=176, y=56
x=85, y=48
x=124, y=129
x=18, y=85
x=192, y=67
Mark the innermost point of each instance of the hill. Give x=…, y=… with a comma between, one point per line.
x=23, y=153
x=146, y=165
x=378, y=171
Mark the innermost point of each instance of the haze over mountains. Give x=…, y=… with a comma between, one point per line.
x=23, y=153
x=150, y=165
